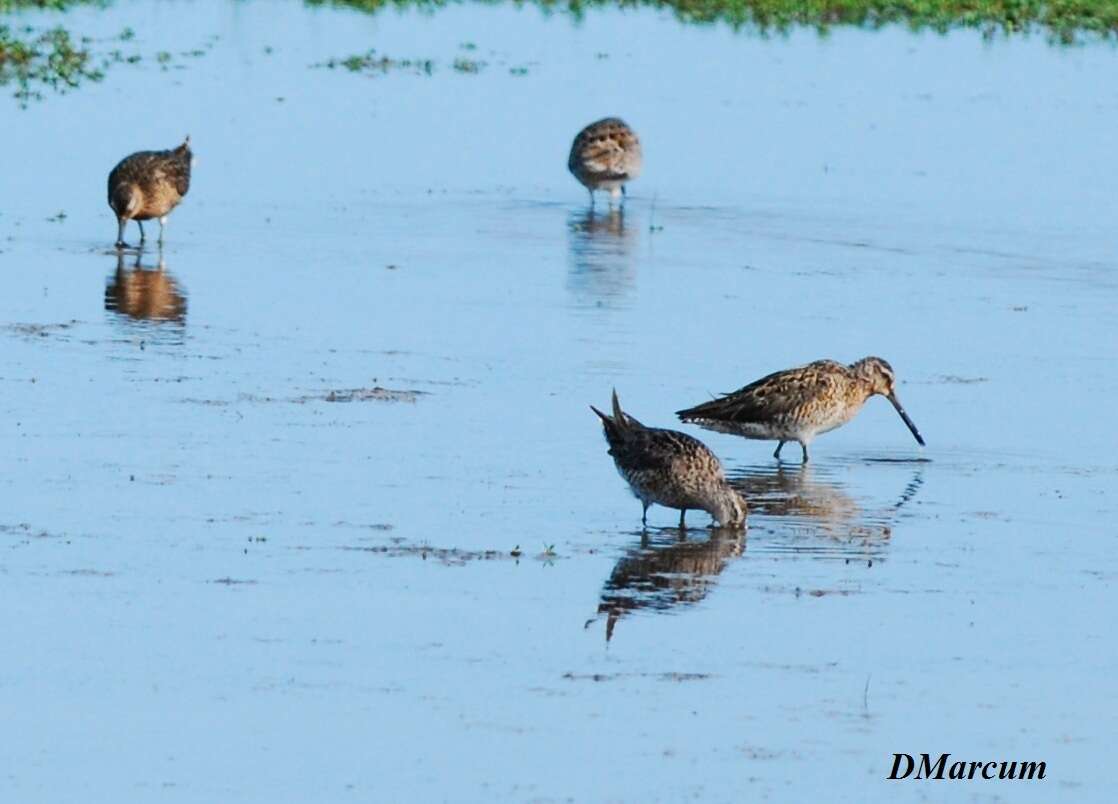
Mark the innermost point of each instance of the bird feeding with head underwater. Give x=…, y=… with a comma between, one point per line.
x=149, y=184
x=669, y=468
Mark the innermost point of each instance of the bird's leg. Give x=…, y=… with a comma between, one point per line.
x=591, y=197
x=120, y=222
x=162, y=226
x=624, y=195
x=141, y=225
x=779, y=447
x=682, y=514
x=644, y=514
x=803, y=446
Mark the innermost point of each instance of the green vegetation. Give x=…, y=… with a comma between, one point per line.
x=1064, y=20
x=49, y=58
x=468, y=65
x=46, y=5
x=370, y=62
x=38, y=59
x=35, y=60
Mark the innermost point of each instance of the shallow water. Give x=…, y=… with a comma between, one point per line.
x=260, y=502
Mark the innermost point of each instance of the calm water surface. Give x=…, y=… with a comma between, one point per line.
x=261, y=489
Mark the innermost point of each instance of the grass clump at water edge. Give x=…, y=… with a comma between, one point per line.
x=1064, y=20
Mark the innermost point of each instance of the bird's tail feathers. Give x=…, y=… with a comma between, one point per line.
x=618, y=414
x=613, y=432
x=620, y=425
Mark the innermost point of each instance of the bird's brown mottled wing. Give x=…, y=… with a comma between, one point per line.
x=655, y=450
x=770, y=397
x=604, y=156
x=607, y=150
x=178, y=172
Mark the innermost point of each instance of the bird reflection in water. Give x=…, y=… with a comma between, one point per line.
x=800, y=495
x=144, y=293
x=664, y=572
x=795, y=492
x=600, y=252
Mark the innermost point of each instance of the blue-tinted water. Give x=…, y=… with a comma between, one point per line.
x=220, y=585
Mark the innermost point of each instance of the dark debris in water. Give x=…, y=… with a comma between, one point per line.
x=890, y=459
x=398, y=547
x=234, y=581
x=952, y=379
x=670, y=676
x=26, y=531
x=381, y=526
x=448, y=556
x=37, y=330
x=374, y=394
x=824, y=592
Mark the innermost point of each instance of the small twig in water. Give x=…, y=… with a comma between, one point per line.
x=652, y=227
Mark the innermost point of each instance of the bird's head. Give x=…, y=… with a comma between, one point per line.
x=730, y=509
x=878, y=375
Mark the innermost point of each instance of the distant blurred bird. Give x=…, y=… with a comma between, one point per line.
x=798, y=404
x=671, y=469
x=605, y=156
x=149, y=184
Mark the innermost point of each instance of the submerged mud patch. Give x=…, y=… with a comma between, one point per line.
x=952, y=379
x=26, y=532
x=87, y=573
x=668, y=676
x=448, y=556
x=378, y=526
x=374, y=394
x=399, y=547
x=31, y=331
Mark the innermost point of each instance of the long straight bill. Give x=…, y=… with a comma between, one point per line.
x=908, y=421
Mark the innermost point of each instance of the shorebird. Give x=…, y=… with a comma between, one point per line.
x=149, y=184
x=671, y=469
x=604, y=156
x=798, y=404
